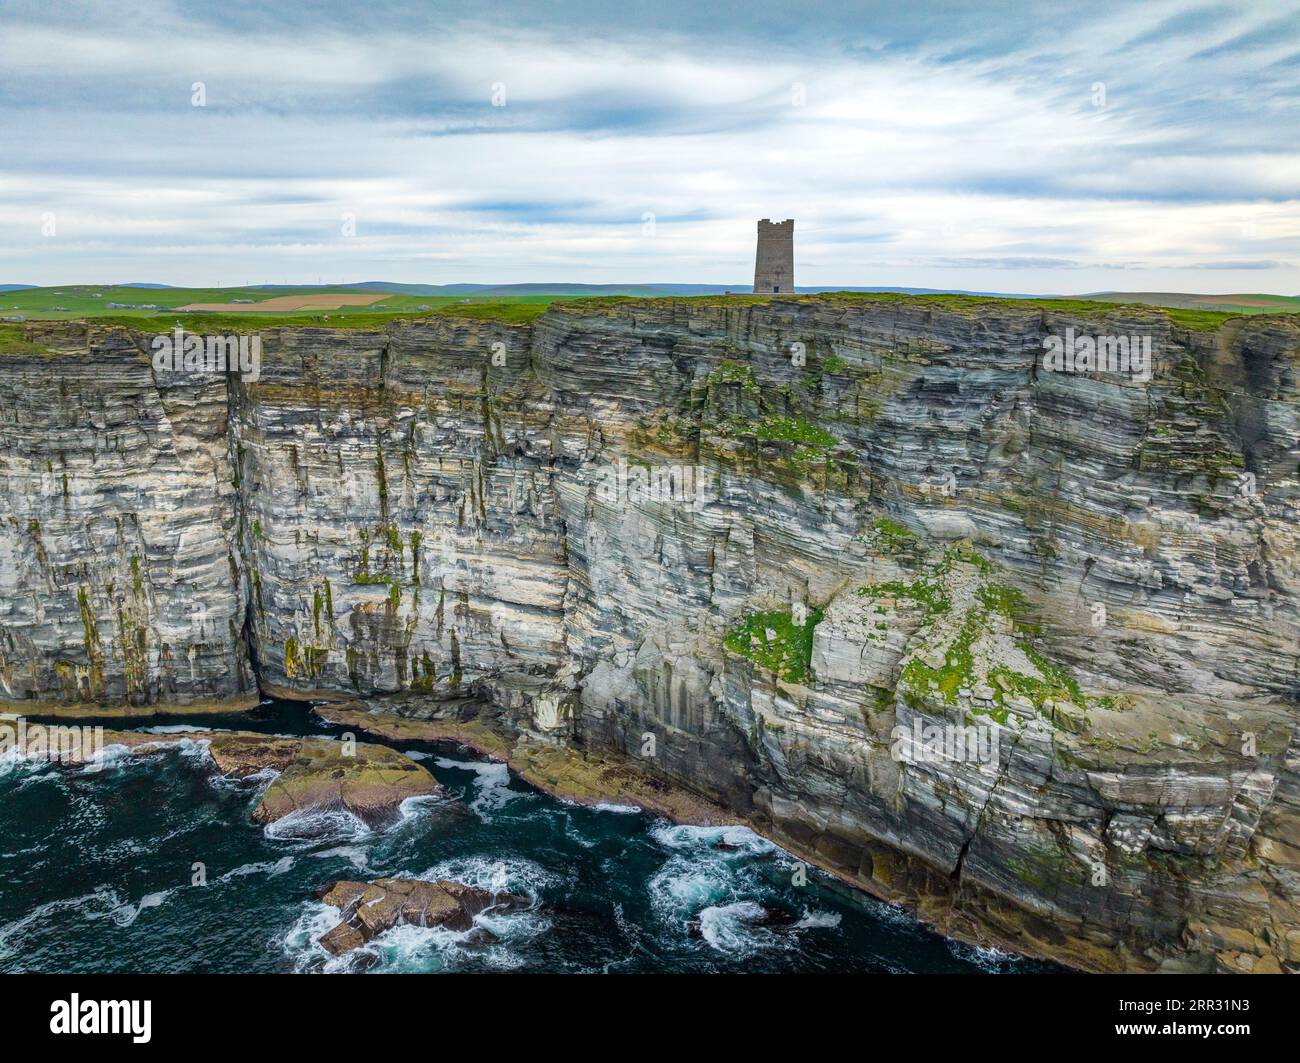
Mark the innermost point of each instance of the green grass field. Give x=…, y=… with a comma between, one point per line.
x=1235, y=304
x=155, y=309
x=75, y=302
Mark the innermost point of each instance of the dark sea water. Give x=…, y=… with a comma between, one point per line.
x=96, y=873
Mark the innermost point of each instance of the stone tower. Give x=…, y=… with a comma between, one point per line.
x=774, y=264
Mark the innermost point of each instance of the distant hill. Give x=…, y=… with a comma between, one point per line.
x=647, y=290
x=1238, y=304
x=141, y=299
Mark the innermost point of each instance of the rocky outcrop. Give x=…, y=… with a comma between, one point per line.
x=370, y=908
x=311, y=774
x=778, y=553
x=369, y=781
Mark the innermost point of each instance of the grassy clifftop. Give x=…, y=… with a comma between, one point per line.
x=526, y=309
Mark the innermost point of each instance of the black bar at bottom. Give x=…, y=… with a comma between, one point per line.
x=935, y=1011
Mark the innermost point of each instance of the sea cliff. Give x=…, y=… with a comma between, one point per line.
x=760, y=549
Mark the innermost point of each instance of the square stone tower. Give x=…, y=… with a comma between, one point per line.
x=774, y=263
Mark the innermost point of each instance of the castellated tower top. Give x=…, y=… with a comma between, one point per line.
x=774, y=262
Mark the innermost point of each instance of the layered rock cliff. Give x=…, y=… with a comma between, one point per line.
x=747, y=544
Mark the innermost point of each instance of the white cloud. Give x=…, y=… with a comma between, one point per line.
x=992, y=171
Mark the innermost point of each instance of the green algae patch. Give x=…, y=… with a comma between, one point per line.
x=778, y=427
x=890, y=537
x=804, y=444
x=731, y=372
x=958, y=667
x=774, y=641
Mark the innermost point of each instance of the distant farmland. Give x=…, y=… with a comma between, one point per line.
x=373, y=305
x=165, y=305
x=1237, y=304
x=287, y=304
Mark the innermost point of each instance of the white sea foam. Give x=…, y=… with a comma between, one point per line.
x=95, y=905
x=618, y=810
x=740, y=839
x=684, y=885
x=15, y=763
x=813, y=920
x=985, y=957
x=491, y=784
x=356, y=855
x=496, y=875
x=706, y=868
x=272, y=868
x=318, y=825
x=410, y=948
x=127, y=914
x=302, y=942
x=421, y=804
x=730, y=929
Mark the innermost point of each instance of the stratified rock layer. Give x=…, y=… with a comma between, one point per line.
x=870, y=520
x=118, y=560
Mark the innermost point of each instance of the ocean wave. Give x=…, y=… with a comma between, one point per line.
x=734, y=928
x=118, y=755
x=315, y=826
x=356, y=855
x=420, y=805
x=267, y=867
x=683, y=886
x=491, y=784
x=17, y=767
x=814, y=920
x=127, y=914
x=721, y=884
x=178, y=729
x=708, y=867
x=733, y=839
x=94, y=905
x=985, y=957
x=496, y=875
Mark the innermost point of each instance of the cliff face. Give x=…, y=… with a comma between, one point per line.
x=118, y=555
x=860, y=516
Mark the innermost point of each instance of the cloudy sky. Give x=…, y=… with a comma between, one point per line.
x=1016, y=147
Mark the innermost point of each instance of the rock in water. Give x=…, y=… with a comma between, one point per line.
x=371, y=783
x=370, y=908
x=242, y=755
